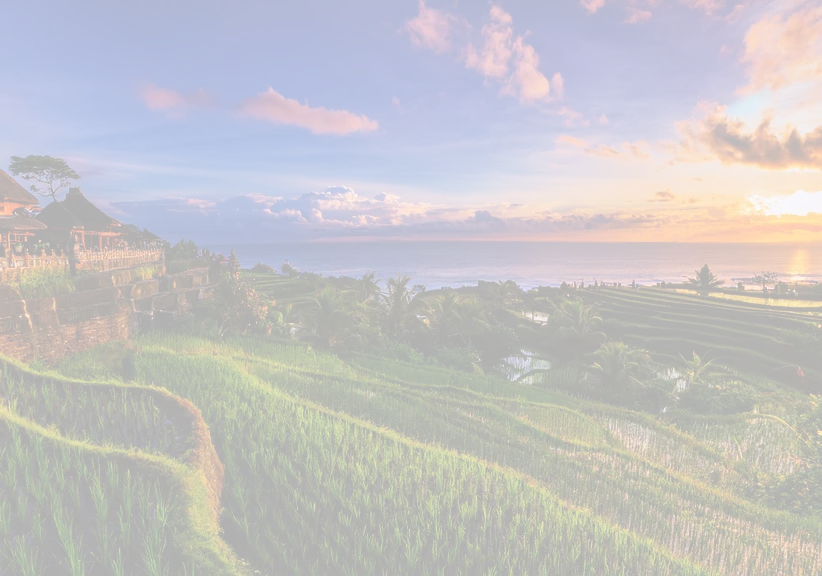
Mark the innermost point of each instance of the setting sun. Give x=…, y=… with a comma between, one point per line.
x=800, y=203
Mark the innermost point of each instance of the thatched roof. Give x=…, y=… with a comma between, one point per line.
x=57, y=216
x=11, y=191
x=90, y=215
x=8, y=223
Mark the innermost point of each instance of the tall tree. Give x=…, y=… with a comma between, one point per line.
x=49, y=174
x=705, y=280
x=578, y=327
x=503, y=292
x=367, y=287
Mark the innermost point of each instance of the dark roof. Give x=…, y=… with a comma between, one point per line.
x=149, y=236
x=56, y=215
x=11, y=190
x=20, y=223
x=90, y=215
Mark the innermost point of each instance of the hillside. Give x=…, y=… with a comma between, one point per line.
x=375, y=465
x=192, y=450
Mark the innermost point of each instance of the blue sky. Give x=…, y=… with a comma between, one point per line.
x=550, y=117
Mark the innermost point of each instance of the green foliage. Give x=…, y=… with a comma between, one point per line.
x=573, y=329
x=49, y=174
x=329, y=324
x=239, y=309
x=461, y=358
x=618, y=369
x=403, y=352
x=44, y=283
x=705, y=280
x=182, y=250
x=498, y=342
x=718, y=397
x=502, y=293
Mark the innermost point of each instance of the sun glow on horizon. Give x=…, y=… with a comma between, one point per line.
x=799, y=203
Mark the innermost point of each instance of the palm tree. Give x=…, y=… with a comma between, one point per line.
x=705, y=280
x=473, y=318
x=442, y=317
x=696, y=370
x=367, y=287
x=504, y=291
x=578, y=324
x=398, y=299
x=329, y=325
x=617, y=368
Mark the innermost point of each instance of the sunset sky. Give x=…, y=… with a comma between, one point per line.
x=688, y=120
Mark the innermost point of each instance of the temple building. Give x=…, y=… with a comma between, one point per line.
x=76, y=221
x=13, y=196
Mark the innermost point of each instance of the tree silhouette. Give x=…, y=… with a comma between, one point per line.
x=705, y=280
x=50, y=174
x=578, y=327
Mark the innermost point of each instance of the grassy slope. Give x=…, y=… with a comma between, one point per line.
x=746, y=336
x=77, y=498
x=368, y=464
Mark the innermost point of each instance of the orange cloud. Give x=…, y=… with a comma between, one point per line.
x=782, y=50
x=431, y=28
x=635, y=15
x=171, y=101
x=715, y=136
x=501, y=56
x=274, y=107
x=491, y=60
x=624, y=150
x=664, y=196
x=592, y=6
x=571, y=140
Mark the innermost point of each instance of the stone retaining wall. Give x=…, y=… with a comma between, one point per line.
x=105, y=308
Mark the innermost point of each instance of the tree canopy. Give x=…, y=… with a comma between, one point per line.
x=705, y=279
x=50, y=175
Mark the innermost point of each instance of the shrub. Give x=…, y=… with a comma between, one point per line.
x=239, y=308
x=402, y=351
x=182, y=250
x=45, y=283
x=462, y=358
x=496, y=343
x=263, y=269
x=731, y=397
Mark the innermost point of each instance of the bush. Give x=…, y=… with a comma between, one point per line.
x=730, y=397
x=238, y=307
x=496, y=343
x=404, y=352
x=182, y=250
x=462, y=358
x=45, y=283
x=263, y=269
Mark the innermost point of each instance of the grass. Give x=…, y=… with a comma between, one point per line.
x=303, y=462
x=371, y=465
x=44, y=283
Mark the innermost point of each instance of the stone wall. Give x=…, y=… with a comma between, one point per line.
x=105, y=307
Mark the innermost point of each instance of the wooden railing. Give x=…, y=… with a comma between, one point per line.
x=13, y=266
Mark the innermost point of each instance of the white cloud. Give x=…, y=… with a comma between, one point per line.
x=171, y=101
x=431, y=28
x=799, y=203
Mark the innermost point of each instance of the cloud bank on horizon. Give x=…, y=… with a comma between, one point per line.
x=602, y=119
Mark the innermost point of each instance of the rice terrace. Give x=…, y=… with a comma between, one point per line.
x=293, y=423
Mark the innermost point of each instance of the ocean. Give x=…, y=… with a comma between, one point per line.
x=530, y=264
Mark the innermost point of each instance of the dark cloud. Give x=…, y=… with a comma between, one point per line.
x=716, y=136
x=663, y=196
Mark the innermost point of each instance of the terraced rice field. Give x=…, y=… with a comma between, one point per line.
x=745, y=336
x=367, y=465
